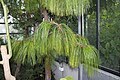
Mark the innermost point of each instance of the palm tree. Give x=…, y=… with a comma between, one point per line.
x=52, y=39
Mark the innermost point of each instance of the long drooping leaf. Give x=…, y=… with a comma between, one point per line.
x=24, y=51
x=65, y=7
x=84, y=54
x=55, y=37
x=59, y=7
x=41, y=37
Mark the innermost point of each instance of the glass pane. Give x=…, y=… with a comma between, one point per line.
x=109, y=35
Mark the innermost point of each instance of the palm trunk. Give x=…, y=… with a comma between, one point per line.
x=47, y=68
x=26, y=32
x=47, y=58
x=45, y=15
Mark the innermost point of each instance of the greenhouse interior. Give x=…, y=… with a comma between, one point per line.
x=59, y=39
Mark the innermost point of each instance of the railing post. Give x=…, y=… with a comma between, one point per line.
x=97, y=24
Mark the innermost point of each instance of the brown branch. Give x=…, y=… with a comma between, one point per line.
x=58, y=25
x=52, y=22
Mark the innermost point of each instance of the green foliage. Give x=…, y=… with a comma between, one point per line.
x=31, y=73
x=85, y=54
x=110, y=38
x=31, y=5
x=48, y=39
x=28, y=72
x=55, y=37
x=67, y=7
x=26, y=15
x=25, y=52
x=61, y=7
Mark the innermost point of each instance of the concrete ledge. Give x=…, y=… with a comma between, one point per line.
x=99, y=74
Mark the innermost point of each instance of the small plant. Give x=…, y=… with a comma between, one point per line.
x=67, y=78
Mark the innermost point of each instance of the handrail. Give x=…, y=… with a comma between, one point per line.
x=8, y=23
x=109, y=70
x=10, y=33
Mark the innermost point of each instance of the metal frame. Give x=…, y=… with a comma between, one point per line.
x=10, y=33
x=80, y=30
x=98, y=39
x=97, y=24
x=109, y=70
x=8, y=23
